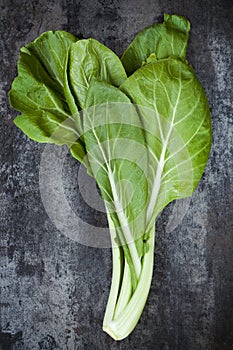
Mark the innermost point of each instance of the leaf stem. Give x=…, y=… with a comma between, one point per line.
x=125, y=321
x=125, y=291
x=116, y=274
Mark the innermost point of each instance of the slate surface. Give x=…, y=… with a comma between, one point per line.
x=54, y=289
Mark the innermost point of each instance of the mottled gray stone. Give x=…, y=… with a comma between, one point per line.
x=54, y=289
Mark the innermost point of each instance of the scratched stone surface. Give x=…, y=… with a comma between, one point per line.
x=55, y=289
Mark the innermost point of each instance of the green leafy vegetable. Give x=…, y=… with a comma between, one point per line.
x=145, y=138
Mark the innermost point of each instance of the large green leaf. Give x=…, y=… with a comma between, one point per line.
x=176, y=118
x=118, y=157
x=162, y=40
x=90, y=59
x=116, y=150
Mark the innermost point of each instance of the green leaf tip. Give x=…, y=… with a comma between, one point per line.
x=179, y=22
x=163, y=39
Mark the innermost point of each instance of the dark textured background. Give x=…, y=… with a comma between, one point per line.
x=55, y=290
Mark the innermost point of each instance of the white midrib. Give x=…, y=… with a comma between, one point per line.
x=156, y=184
x=157, y=180
x=120, y=213
x=124, y=226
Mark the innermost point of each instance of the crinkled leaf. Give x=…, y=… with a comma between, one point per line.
x=90, y=59
x=163, y=40
x=41, y=92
